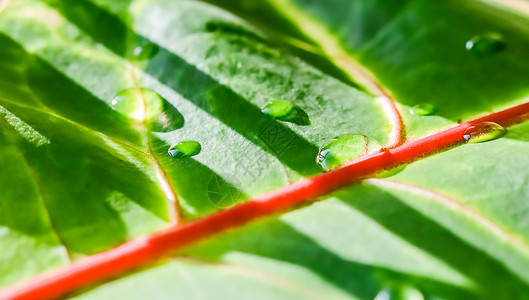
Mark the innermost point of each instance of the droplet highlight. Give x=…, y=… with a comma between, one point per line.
x=484, y=132
x=486, y=43
x=145, y=51
x=142, y=105
x=287, y=112
x=423, y=109
x=185, y=149
x=400, y=293
x=343, y=148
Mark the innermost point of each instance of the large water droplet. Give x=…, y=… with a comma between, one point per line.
x=343, y=148
x=185, y=149
x=139, y=104
x=484, y=132
x=400, y=293
x=486, y=43
x=146, y=51
x=423, y=109
x=144, y=105
x=286, y=111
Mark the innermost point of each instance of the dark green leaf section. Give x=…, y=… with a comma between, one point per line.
x=26, y=232
x=417, y=48
x=61, y=183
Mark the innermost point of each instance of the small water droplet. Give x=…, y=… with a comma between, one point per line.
x=384, y=294
x=146, y=51
x=423, y=109
x=484, y=132
x=144, y=105
x=343, y=148
x=185, y=149
x=286, y=111
x=400, y=293
x=486, y=43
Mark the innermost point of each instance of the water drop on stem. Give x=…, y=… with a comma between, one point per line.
x=343, y=148
x=484, y=132
x=423, y=109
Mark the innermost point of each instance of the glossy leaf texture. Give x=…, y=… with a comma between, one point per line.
x=82, y=174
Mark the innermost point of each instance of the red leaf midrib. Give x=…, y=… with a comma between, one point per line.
x=141, y=251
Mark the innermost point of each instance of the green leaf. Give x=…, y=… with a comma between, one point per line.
x=83, y=174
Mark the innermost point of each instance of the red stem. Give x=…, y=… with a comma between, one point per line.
x=397, y=135
x=139, y=252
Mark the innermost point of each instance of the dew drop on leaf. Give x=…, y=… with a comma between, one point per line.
x=143, y=105
x=185, y=149
x=484, y=132
x=139, y=104
x=286, y=111
x=486, y=43
x=343, y=148
x=423, y=109
x=146, y=51
x=400, y=293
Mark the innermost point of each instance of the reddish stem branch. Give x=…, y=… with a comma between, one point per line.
x=141, y=251
x=397, y=136
x=365, y=78
x=161, y=175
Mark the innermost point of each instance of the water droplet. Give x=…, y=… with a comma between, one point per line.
x=144, y=105
x=423, y=109
x=400, y=293
x=286, y=111
x=139, y=104
x=486, y=43
x=185, y=149
x=383, y=295
x=343, y=148
x=484, y=132
x=146, y=51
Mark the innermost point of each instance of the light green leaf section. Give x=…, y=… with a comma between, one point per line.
x=199, y=280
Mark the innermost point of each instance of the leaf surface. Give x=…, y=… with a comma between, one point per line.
x=81, y=178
